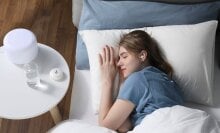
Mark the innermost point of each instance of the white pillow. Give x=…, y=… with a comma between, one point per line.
x=188, y=48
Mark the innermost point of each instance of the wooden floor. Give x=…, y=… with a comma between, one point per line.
x=51, y=22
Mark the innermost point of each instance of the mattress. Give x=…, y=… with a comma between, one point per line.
x=81, y=106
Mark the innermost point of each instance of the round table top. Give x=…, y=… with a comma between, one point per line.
x=17, y=99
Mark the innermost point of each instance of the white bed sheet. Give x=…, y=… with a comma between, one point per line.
x=81, y=104
x=176, y=119
x=82, y=118
x=81, y=98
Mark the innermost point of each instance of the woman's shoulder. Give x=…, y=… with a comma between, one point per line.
x=144, y=74
x=153, y=71
x=136, y=76
x=139, y=74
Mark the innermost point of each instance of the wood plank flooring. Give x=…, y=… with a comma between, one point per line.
x=51, y=21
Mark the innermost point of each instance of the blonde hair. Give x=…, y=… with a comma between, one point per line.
x=139, y=40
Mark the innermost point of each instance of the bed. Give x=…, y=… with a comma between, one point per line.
x=83, y=116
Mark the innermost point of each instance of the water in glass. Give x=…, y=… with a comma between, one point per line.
x=32, y=74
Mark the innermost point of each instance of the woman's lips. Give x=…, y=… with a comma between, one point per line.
x=123, y=70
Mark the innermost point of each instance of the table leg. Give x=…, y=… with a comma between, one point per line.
x=55, y=113
x=0, y=123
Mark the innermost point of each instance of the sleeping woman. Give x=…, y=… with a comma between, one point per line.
x=147, y=82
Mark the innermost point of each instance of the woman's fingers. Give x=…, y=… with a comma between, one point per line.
x=103, y=55
x=111, y=55
x=107, y=54
x=100, y=59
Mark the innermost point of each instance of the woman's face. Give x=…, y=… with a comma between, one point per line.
x=128, y=62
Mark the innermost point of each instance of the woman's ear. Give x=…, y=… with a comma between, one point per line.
x=143, y=55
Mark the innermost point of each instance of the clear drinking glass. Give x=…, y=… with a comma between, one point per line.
x=32, y=74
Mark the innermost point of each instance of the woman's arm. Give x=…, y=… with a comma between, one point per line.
x=111, y=115
x=117, y=115
x=125, y=127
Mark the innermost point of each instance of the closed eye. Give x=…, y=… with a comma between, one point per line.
x=124, y=57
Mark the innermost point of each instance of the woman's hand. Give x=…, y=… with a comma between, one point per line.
x=107, y=65
x=111, y=114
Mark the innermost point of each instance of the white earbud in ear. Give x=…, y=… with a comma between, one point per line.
x=142, y=57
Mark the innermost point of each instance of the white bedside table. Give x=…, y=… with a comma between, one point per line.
x=18, y=101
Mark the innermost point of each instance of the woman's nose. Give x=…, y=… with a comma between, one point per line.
x=119, y=63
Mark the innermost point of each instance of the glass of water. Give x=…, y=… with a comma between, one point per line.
x=32, y=74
